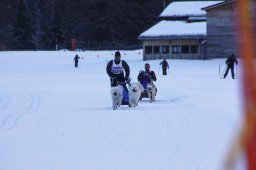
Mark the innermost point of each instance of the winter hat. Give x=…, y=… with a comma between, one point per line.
x=117, y=54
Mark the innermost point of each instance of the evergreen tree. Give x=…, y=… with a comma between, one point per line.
x=7, y=12
x=23, y=32
x=40, y=24
x=57, y=25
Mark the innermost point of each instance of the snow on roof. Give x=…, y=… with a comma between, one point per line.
x=203, y=18
x=217, y=5
x=192, y=8
x=175, y=29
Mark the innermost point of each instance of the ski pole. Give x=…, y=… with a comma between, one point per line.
x=222, y=75
x=236, y=72
x=158, y=69
x=219, y=69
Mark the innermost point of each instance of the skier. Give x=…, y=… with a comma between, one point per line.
x=165, y=65
x=76, y=60
x=230, y=65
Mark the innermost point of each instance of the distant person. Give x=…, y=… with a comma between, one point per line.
x=231, y=60
x=165, y=65
x=76, y=60
x=115, y=70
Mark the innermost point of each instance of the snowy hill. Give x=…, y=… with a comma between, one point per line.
x=57, y=117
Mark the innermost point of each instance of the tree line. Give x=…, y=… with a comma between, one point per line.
x=41, y=24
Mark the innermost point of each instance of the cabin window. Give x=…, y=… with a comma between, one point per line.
x=194, y=49
x=148, y=50
x=165, y=49
x=185, y=49
x=156, y=49
x=175, y=49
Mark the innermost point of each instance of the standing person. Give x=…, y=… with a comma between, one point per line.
x=76, y=60
x=231, y=60
x=115, y=70
x=165, y=65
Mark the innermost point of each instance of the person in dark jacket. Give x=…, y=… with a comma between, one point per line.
x=165, y=65
x=116, y=68
x=147, y=75
x=231, y=61
x=76, y=60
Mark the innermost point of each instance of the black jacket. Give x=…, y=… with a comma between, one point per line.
x=147, y=74
x=76, y=58
x=125, y=67
x=231, y=61
x=164, y=64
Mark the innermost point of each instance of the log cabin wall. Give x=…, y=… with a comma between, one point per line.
x=221, y=32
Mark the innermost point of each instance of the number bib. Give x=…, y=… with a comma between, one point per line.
x=117, y=68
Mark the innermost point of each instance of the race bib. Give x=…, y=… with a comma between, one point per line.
x=117, y=70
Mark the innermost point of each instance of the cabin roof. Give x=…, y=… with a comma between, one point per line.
x=186, y=9
x=175, y=29
x=216, y=5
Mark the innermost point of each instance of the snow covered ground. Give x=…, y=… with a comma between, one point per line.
x=57, y=117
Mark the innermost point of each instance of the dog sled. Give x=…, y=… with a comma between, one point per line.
x=125, y=100
x=145, y=82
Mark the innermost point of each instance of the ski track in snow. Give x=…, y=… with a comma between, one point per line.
x=12, y=116
x=161, y=129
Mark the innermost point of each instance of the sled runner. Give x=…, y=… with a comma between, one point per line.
x=125, y=100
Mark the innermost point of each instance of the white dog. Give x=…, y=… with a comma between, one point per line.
x=151, y=90
x=117, y=96
x=135, y=90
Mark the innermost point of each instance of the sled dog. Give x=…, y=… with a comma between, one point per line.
x=135, y=90
x=151, y=90
x=117, y=96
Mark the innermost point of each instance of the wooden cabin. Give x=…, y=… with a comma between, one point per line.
x=180, y=35
x=174, y=40
x=221, y=32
